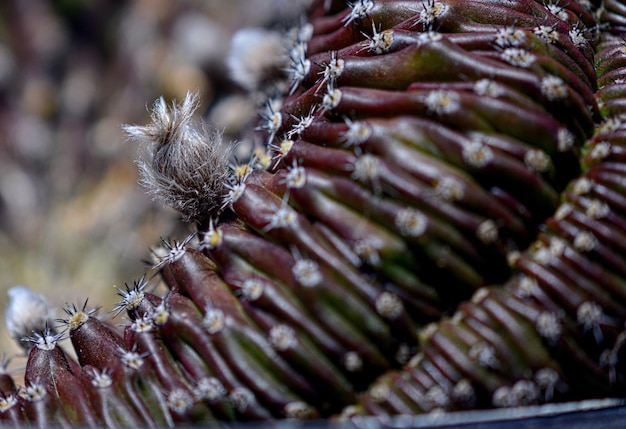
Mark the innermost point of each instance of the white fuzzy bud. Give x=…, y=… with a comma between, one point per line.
x=27, y=312
x=256, y=56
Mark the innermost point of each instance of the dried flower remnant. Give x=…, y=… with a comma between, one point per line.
x=183, y=166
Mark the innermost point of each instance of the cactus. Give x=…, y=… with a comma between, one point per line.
x=432, y=218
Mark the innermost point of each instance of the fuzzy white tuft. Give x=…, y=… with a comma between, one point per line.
x=27, y=313
x=256, y=57
x=182, y=165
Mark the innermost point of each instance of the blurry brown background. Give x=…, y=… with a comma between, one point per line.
x=73, y=221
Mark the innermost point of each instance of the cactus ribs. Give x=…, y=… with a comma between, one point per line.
x=435, y=220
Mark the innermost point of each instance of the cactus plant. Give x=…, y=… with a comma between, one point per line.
x=432, y=218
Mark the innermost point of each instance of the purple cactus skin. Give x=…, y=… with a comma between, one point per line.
x=435, y=220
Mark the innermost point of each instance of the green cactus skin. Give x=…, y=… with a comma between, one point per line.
x=436, y=221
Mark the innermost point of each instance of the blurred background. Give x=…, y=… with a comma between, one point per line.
x=73, y=221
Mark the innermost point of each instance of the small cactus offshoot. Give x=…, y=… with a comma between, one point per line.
x=432, y=218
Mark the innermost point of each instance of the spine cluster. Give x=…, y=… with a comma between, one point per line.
x=434, y=219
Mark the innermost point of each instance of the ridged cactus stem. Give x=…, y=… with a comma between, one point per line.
x=434, y=222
